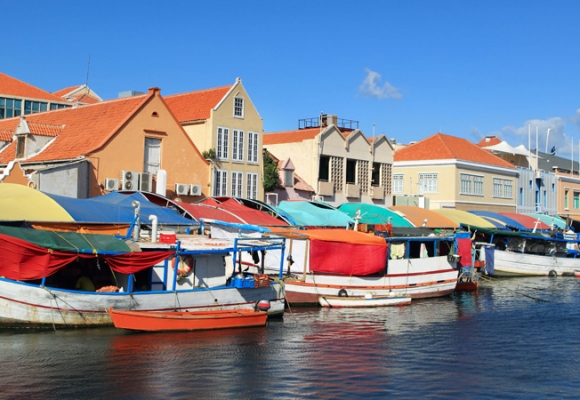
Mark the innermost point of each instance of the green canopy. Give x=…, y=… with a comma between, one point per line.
x=373, y=215
x=69, y=241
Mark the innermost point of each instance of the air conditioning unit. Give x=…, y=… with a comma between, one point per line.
x=195, y=190
x=111, y=184
x=182, y=188
x=146, y=182
x=129, y=180
x=317, y=198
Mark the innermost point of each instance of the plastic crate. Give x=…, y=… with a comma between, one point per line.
x=243, y=283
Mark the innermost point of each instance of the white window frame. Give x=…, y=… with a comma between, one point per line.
x=238, y=107
x=222, y=145
x=152, y=158
x=221, y=183
x=428, y=182
x=237, y=182
x=238, y=145
x=252, y=186
x=503, y=188
x=470, y=184
x=398, y=184
x=253, y=142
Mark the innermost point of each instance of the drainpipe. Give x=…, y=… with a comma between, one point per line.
x=136, y=231
x=154, y=228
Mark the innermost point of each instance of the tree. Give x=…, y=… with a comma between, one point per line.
x=271, y=178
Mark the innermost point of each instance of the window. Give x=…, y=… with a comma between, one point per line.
x=471, y=184
x=350, y=171
x=428, y=183
x=553, y=187
x=10, y=108
x=238, y=107
x=252, y=186
x=576, y=200
x=566, y=199
x=376, y=175
x=54, y=106
x=253, y=147
x=222, y=143
x=521, y=196
x=238, y=145
x=237, y=178
x=288, y=178
x=31, y=107
x=545, y=198
x=152, y=158
x=398, y=184
x=465, y=187
x=478, y=185
x=324, y=168
x=221, y=183
x=20, y=142
x=502, y=188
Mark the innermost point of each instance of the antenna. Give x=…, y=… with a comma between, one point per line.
x=88, y=69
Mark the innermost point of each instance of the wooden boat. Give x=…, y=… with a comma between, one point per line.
x=577, y=273
x=188, y=275
x=155, y=321
x=363, y=301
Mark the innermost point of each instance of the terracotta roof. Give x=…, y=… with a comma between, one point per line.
x=76, y=94
x=195, y=106
x=84, y=129
x=6, y=135
x=65, y=91
x=85, y=99
x=298, y=135
x=45, y=129
x=13, y=87
x=489, y=141
x=443, y=147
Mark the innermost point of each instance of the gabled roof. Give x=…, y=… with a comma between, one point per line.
x=78, y=94
x=13, y=87
x=294, y=136
x=489, y=141
x=6, y=135
x=45, y=129
x=444, y=147
x=84, y=129
x=195, y=106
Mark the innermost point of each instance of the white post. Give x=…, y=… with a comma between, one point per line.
x=547, y=136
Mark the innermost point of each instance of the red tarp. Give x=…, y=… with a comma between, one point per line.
x=464, y=250
x=250, y=215
x=346, y=252
x=525, y=220
x=210, y=211
x=22, y=260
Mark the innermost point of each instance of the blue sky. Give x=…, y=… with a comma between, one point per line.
x=407, y=68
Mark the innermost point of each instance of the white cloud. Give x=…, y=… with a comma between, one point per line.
x=371, y=87
x=536, y=131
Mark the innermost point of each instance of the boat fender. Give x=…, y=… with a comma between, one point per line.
x=553, y=274
x=342, y=293
x=263, y=305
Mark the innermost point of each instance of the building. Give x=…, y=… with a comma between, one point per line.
x=444, y=171
x=20, y=98
x=78, y=95
x=291, y=185
x=133, y=143
x=337, y=160
x=226, y=127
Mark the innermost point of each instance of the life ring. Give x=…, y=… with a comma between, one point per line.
x=342, y=293
x=552, y=274
x=185, y=265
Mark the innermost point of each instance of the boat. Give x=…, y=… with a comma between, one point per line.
x=155, y=321
x=161, y=273
x=414, y=262
x=577, y=273
x=520, y=253
x=367, y=300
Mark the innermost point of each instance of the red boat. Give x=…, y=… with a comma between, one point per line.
x=153, y=321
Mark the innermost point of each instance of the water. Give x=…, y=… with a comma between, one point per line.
x=516, y=338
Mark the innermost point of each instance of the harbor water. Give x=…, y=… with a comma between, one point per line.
x=513, y=339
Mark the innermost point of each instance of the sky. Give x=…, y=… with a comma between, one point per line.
x=405, y=69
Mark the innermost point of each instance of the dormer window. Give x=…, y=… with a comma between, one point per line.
x=20, y=143
x=288, y=178
x=238, y=107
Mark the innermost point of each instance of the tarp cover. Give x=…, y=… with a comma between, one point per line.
x=305, y=213
x=118, y=208
x=464, y=217
x=247, y=214
x=22, y=259
x=549, y=220
x=419, y=216
x=21, y=203
x=494, y=218
x=373, y=215
x=367, y=254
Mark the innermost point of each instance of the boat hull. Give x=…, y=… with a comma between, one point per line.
x=26, y=305
x=187, y=321
x=509, y=263
x=416, y=278
x=363, y=301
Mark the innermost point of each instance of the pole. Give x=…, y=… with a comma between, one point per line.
x=547, y=136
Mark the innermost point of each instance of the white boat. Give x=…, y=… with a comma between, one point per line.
x=530, y=254
x=367, y=300
x=194, y=274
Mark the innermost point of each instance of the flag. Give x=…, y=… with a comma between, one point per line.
x=553, y=151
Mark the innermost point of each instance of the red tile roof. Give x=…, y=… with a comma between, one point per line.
x=6, y=135
x=195, y=106
x=45, y=129
x=443, y=147
x=80, y=97
x=489, y=141
x=84, y=129
x=10, y=86
x=290, y=136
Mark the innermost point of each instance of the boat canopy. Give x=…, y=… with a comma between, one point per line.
x=422, y=217
x=304, y=213
x=207, y=211
x=550, y=220
x=527, y=221
x=246, y=214
x=374, y=215
x=464, y=217
x=21, y=203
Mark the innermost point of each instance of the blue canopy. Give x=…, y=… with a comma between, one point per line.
x=117, y=208
x=499, y=220
x=305, y=213
x=373, y=215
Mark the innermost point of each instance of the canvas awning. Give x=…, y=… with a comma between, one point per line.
x=374, y=215
x=463, y=217
x=422, y=217
x=21, y=203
